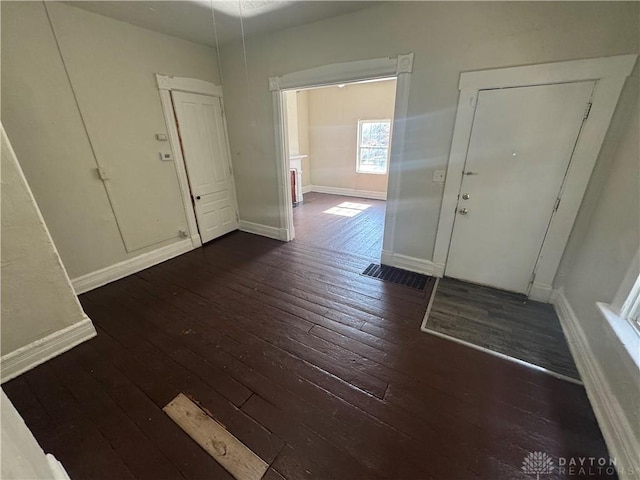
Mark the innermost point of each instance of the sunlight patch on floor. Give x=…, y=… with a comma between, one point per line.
x=348, y=209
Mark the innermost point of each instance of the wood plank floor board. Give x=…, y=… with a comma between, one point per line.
x=135, y=449
x=321, y=371
x=171, y=440
x=250, y=433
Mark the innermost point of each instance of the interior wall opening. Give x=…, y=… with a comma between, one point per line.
x=338, y=140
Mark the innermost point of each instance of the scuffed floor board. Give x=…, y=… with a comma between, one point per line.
x=226, y=449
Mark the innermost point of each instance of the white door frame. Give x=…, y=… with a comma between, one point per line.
x=610, y=74
x=190, y=85
x=338, y=73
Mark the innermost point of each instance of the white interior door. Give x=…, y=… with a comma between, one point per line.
x=520, y=148
x=204, y=146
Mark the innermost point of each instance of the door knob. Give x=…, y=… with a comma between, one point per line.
x=465, y=196
x=463, y=211
x=197, y=197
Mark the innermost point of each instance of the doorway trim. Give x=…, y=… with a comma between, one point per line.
x=190, y=85
x=610, y=74
x=399, y=67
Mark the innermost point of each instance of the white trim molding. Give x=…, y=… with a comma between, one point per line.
x=412, y=264
x=347, y=192
x=399, y=67
x=610, y=74
x=189, y=85
x=120, y=270
x=618, y=434
x=263, y=230
x=167, y=84
x=30, y=356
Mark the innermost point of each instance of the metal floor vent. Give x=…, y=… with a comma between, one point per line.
x=397, y=275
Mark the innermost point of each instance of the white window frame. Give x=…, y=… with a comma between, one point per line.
x=359, y=147
x=622, y=312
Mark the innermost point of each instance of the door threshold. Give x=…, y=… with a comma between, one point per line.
x=532, y=366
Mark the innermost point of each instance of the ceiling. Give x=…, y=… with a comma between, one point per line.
x=193, y=19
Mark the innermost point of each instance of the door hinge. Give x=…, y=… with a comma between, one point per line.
x=102, y=174
x=556, y=205
x=533, y=277
x=587, y=110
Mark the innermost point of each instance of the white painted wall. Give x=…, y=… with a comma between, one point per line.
x=22, y=457
x=447, y=38
x=37, y=298
x=111, y=65
x=603, y=244
x=333, y=131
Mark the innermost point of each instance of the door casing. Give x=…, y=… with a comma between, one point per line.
x=610, y=74
x=400, y=67
x=189, y=85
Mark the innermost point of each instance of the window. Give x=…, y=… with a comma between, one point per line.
x=631, y=307
x=373, y=146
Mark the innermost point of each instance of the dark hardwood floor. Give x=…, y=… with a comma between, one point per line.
x=324, y=221
x=322, y=372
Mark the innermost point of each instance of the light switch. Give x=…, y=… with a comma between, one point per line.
x=166, y=156
x=162, y=137
x=438, y=176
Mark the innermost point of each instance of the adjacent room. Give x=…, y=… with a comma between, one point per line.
x=318, y=239
x=339, y=141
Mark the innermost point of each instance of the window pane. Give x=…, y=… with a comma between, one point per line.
x=375, y=134
x=373, y=159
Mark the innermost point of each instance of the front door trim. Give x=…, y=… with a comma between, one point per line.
x=610, y=74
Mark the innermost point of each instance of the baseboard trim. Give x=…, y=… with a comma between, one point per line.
x=347, y=192
x=412, y=264
x=540, y=292
x=30, y=356
x=264, y=230
x=620, y=439
x=120, y=270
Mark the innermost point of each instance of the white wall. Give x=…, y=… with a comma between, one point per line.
x=111, y=65
x=603, y=244
x=22, y=457
x=447, y=38
x=333, y=130
x=37, y=298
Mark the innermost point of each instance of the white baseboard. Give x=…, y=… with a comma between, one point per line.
x=264, y=230
x=412, y=264
x=30, y=356
x=619, y=436
x=540, y=292
x=347, y=192
x=119, y=270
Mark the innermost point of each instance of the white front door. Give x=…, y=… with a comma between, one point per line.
x=521, y=144
x=204, y=146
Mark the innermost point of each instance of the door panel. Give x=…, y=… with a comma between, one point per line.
x=204, y=146
x=521, y=144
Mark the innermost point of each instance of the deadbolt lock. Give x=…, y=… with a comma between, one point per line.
x=463, y=211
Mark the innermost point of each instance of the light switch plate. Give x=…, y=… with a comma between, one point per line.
x=438, y=176
x=162, y=137
x=166, y=156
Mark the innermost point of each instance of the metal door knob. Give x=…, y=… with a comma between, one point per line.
x=463, y=211
x=465, y=196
